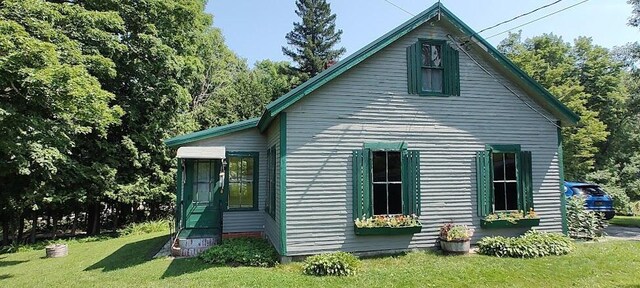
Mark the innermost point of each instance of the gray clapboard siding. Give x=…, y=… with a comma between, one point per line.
x=272, y=226
x=249, y=140
x=369, y=103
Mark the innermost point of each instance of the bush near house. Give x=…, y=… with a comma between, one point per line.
x=145, y=227
x=331, y=264
x=532, y=244
x=242, y=252
x=583, y=223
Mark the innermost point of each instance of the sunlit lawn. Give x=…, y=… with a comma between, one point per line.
x=124, y=262
x=627, y=221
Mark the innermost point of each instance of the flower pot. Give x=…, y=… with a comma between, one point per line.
x=57, y=250
x=456, y=247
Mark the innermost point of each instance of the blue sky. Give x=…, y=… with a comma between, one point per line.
x=255, y=29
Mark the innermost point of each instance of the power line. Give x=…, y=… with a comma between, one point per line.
x=519, y=16
x=460, y=48
x=537, y=19
x=394, y=5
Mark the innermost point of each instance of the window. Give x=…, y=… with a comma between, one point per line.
x=504, y=181
x=387, y=183
x=242, y=181
x=386, y=180
x=202, y=184
x=505, y=184
x=432, y=68
x=270, y=205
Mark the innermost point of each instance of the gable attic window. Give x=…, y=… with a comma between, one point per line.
x=433, y=68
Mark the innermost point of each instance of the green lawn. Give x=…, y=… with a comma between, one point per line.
x=124, y=262
x=627, y=221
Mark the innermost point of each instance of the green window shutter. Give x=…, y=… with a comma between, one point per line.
x=411, y=181
x=525, y=180
x=361, y=183
x=451, y=71
x=413, y=68
x=483, y=182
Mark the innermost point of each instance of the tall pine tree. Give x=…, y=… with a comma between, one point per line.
x=314, y=38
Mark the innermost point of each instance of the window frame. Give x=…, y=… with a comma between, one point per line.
x=195, y=182
x=255, y=181
x=420, y=66
x=502, y=149
x=387, y=182
x=270, y=204
x=386, y=147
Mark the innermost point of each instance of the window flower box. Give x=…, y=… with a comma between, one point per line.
x=364, y=231
x=511, y=219
x=387, y=225
x=529, y=222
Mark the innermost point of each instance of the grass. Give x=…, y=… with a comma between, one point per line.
x=126, y=261
x=627, y=221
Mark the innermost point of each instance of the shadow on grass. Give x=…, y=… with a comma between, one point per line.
x=5, y=276
x=11, y=263
x=131, y=254
x=185, y=266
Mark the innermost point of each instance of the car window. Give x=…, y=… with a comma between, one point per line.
x=588, y=190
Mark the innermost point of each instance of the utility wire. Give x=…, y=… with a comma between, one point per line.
x=537, y=19
x=500, y=82
x=394, y=5
x=519, y=16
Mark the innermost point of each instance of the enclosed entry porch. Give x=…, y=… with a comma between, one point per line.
x=199, y=200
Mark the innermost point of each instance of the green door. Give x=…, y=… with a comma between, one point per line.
x=202, y=194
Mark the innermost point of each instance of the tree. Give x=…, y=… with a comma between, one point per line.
x=634, y=20
x=313, y=39
x=52, y=98
x=553, y=63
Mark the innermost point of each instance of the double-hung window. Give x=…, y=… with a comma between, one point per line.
x=386, y=180
x=242, y=181
x=433, y=68
x=504, y=181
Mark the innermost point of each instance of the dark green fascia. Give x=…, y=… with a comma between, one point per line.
x=334, y=71
x=563, y=199
x=562, y=111
x=256, y=179
x=211, y=132
x=283, y=183
x=502, y=148
x=280, y=104
x=386, y=146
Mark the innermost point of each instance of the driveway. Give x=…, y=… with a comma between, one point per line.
x=623, y=233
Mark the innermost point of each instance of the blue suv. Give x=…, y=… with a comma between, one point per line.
x=596, y=199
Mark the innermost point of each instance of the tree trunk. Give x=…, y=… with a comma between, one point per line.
x=5, y=232
x=34, y=226
x=74, y=224
x=55, y=225
x=115, y=217
x=21, y=228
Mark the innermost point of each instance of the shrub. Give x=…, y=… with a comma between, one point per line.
x=145, y=227
x=331, y=264
x=621, y=202
x=242, y=251
x=583, y=223
x=635, y=208
x=532, y=244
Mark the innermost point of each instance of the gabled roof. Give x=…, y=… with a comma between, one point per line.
x=540, y=94
x=212, y=132
x=553, y=105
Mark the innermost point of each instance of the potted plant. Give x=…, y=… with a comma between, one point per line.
x=455, y=238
